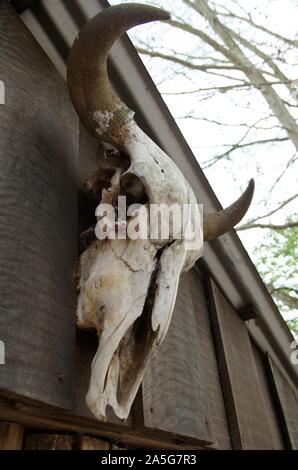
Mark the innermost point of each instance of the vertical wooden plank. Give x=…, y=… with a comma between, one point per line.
x=174, y=391
x=246, y=410
x=48, y=442
x=11, y=436
x=92, y=443
x=217, y=410
x=288, y=399
x=38, y=220
x=269, y=400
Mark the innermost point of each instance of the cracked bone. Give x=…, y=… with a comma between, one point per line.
x=128, y=288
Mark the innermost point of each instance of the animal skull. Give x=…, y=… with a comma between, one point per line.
x=128, y=286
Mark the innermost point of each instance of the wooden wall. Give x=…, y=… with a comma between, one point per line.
x=249, y=424
x=38, y=220
x=287, y=398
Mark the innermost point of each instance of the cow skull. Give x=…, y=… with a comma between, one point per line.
x=128, y=287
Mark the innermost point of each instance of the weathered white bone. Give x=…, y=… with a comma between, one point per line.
x=115, y=278
x=128, y=287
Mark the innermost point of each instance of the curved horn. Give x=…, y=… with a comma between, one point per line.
x=98, y=106
x=221, y=222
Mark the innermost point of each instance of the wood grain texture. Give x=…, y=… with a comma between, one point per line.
x=217, y=410
x=249, y=425
x=48, y=442
x=91, y=443
x=288, y=399
x=63, y=422
x=38, y=220
x=11, y=436
x=269, y=400
x=174, y=390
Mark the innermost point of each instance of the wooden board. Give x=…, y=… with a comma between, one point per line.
x=11, y=436
x=38, y=220
x=249, y=425
x=217, y=410
x=288, y=400
x=40, y=419
x=174, y=390
x=48, y=442
x=91, y=443
x=269, y=400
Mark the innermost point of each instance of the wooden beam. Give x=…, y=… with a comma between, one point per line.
x=271, y=407
x=91, y=443
x=11, y=436
x=249, y=425
x=288, y=404
x=34, y=441
x=61, y=422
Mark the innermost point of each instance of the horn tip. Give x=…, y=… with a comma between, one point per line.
x=161, y=14
x=250, y=188
x=251, y=183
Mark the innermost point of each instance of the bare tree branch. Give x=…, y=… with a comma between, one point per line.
x=270, y=226
x=284, y=295
x=267, y=59
x=238, y=146
x=183, y=62
x=292, y=160
x=274, y=211
x=223, y=89
x=249, y=20
x=233, y=52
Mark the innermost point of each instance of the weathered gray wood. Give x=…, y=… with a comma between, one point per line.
x=217, y=411
x=174, y=390
x=38, y=220
x=11, y=436
x=269, y=402
x=48, y=442
x=249, y=425
x=63, y=422
x=288, y=399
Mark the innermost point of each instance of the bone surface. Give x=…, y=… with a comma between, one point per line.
x=128, y=287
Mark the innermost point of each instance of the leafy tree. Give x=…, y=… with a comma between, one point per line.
x=276, y=258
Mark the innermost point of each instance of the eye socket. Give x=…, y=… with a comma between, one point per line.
x=132, y=187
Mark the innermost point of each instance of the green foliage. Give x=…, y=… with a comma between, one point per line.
x=293, y=325
x=277, y=262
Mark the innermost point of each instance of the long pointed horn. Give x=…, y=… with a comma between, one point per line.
x=221, y=222
x=100, y=109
